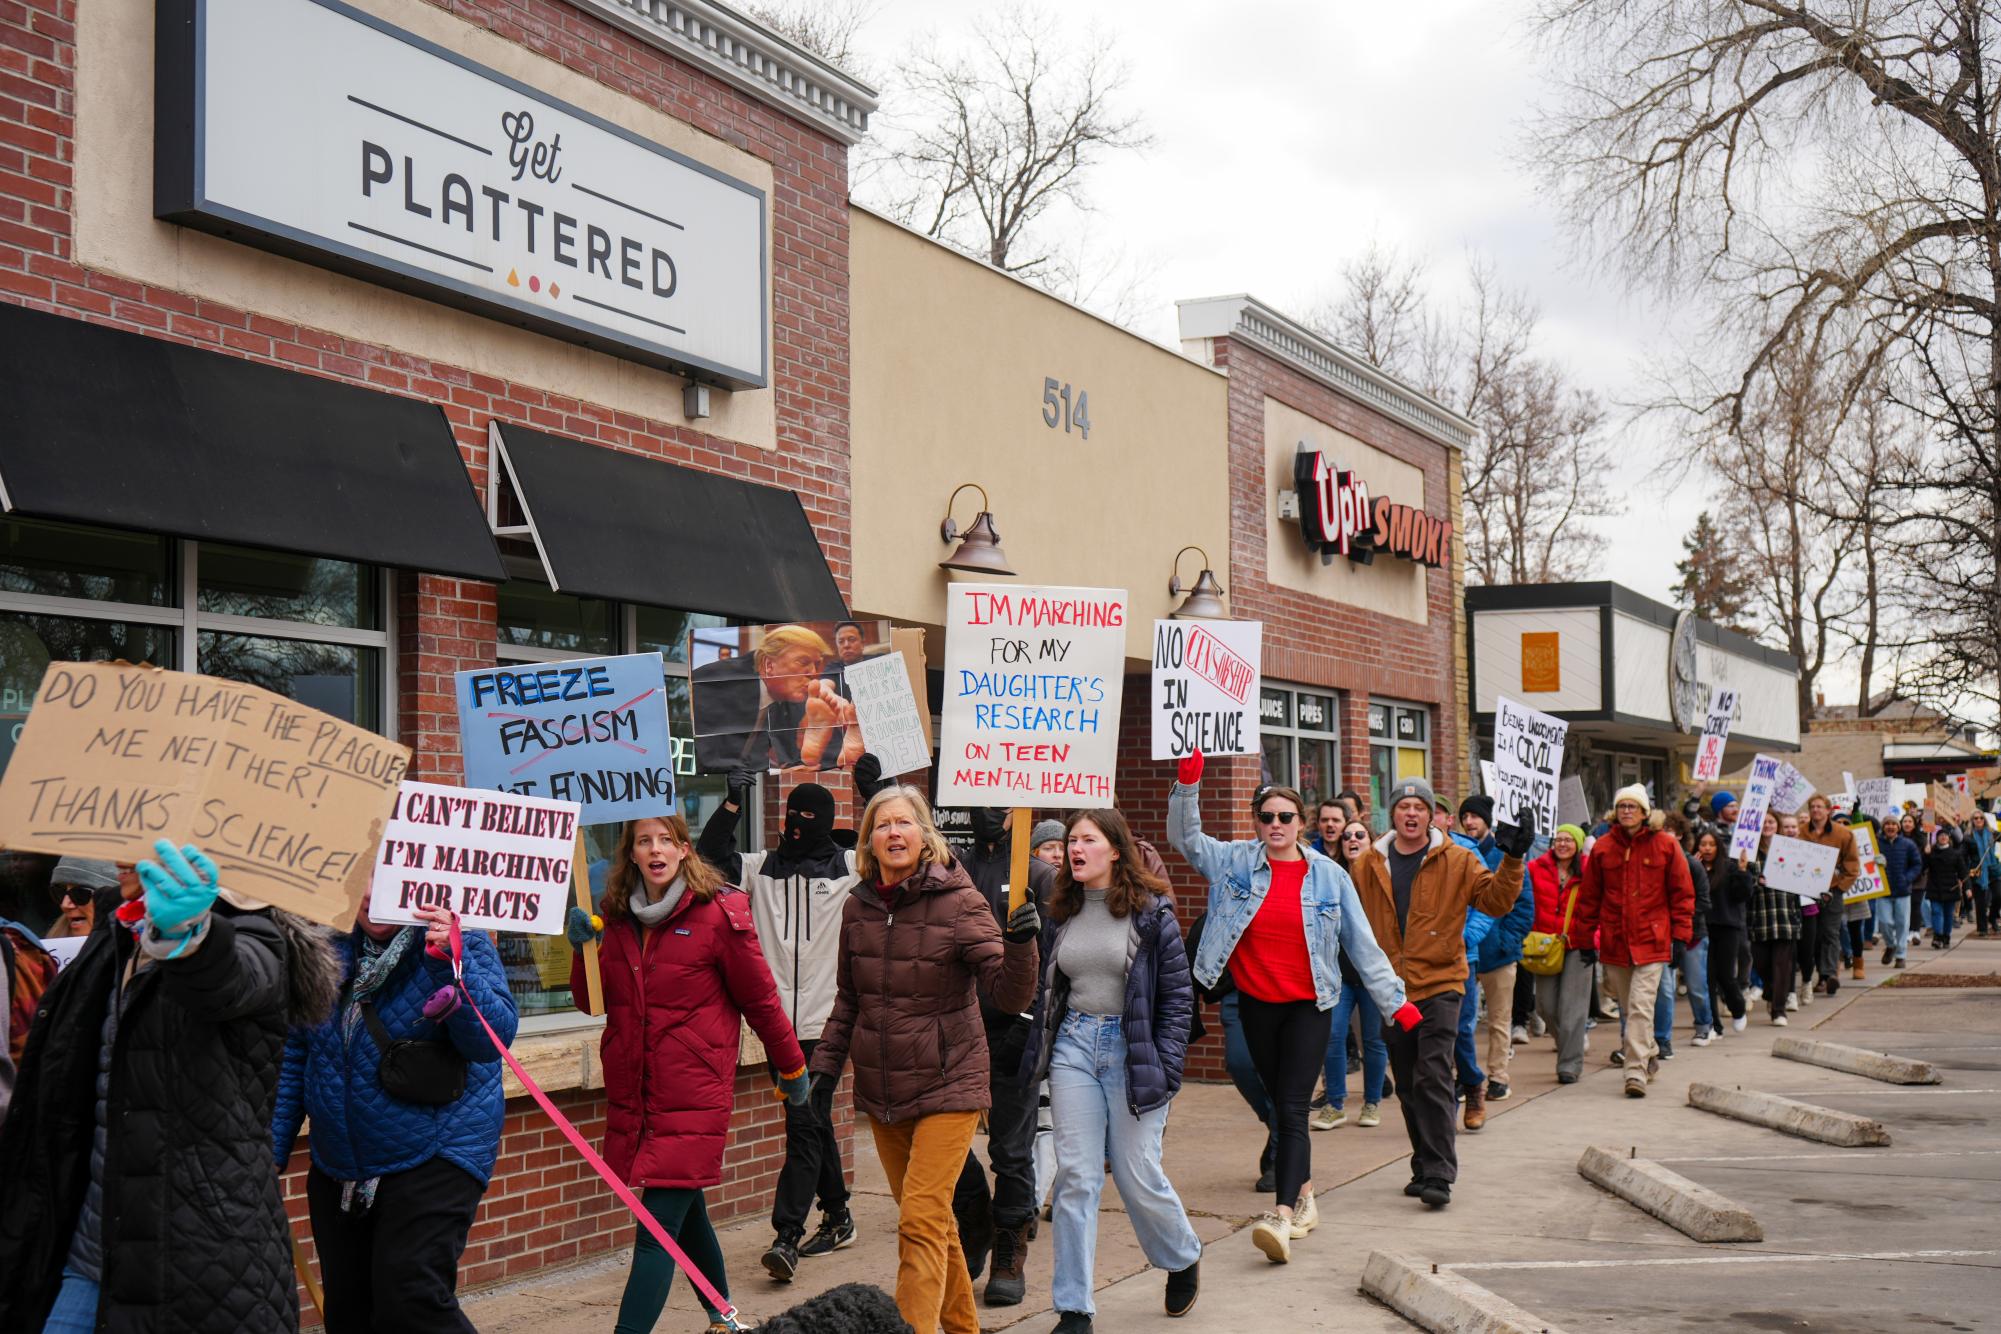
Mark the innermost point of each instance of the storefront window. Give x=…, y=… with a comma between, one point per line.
x=63, y=560
x=533, y=616
x=279, y=586
x=1399, y=747
x=333, y=678
x=1301, y=741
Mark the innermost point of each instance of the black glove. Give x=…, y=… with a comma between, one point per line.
x=1680, y=953
x=867, y=775
x=1023, y=924
x=1590, y=957
x=1522, y=837
x=738, y=785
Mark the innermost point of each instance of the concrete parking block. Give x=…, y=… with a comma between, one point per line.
x=1856, y=1061
x=1788, y=1117
x=1442, y=1301
x=1689, y=1208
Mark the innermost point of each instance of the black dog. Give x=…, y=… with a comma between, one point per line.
x=852, y=1308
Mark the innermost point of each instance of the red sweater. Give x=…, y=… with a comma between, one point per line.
x=1270, y=962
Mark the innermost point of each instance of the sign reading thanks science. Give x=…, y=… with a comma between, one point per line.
x=315, y=130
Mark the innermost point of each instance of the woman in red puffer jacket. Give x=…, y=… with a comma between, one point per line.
x=682, y=971
x=1564, y=999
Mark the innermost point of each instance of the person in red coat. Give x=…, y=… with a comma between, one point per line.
x=682, y=971
x=1640, y=900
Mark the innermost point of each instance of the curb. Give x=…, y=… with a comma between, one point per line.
x=1442, y=1301
x=1691, y=1209
x=1788, y=1117
x=1856, y=1061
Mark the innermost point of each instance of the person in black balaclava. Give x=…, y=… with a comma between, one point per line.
x=797, y=891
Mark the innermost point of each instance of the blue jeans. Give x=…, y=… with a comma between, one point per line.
x=1940, y=916
x=1087, y=1103
x=1243, y=1070
x=1897, y=923
x=1464, y=1049
x=1695, y=972
x=75, y=1311
x=1375, y=1052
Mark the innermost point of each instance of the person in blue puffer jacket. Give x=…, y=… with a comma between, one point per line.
x=1476, y=835
x=397, y=1175
x=1494, y=958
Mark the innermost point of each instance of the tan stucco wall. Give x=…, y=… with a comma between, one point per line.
x=1391, y=586
x=948, y=360
x=116, y=231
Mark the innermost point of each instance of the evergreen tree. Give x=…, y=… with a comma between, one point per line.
x=1712, y=583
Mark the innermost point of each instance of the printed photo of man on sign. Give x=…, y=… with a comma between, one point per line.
x=774, y=696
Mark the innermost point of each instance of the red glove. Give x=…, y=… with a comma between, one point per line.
x=1190, y=772
x=1408, y=1018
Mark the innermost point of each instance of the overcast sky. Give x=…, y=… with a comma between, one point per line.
x=1287, y=133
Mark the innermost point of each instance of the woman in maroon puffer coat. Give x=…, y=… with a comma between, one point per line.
x=682, y=970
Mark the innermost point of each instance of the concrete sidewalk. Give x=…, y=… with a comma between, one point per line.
x=1519, y=1200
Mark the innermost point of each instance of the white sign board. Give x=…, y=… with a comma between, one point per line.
x=1800, y=867
x=327, y=134
x=887, y=712
x=1791, y=791
x=1878, y=796
x=1490, y=782
x=1528, y=756
x=1751, y=808
x=1205, y=687
x=1715, y=733
x=1571, y=807
x=1033, y=679
x=502, y=862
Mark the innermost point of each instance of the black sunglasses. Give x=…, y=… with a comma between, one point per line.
x=74, y=893
x=1283, y=817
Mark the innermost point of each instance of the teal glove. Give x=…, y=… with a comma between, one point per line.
x=582, y=927
x=798, y=1090
x=180, y=887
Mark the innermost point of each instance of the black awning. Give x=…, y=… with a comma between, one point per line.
x=616, y=525
x=105, y=427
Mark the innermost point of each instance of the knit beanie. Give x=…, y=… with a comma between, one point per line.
x=1046, y=831
x=86, y=872
x=1636, y=794
x=1575, y=832
x=1720, y=800
x=1479, y=804
x=1410, y=787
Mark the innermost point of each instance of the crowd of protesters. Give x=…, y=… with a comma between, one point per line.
x=152, y=1088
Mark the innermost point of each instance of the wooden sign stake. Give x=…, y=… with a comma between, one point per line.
x=580, y=879
x=1017, y=869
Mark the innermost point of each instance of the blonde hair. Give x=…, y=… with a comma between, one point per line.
x=701, y=879
x=791, y=636
x=935, y=848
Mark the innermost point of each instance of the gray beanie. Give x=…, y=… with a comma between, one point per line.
x=1410, y=787
x=1045, y=831
x=86, y=872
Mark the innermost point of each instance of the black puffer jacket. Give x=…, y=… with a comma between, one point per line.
x=195, y=1239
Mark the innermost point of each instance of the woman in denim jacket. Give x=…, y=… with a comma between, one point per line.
x=1282, y=951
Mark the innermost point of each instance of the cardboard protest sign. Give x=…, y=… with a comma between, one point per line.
x=775, y=696
x=1571, y=807
x=289, y=801
x=1205, y=687
x=1751, y=808
x=1872, y=882
x=1949, y=804
x=1528, y=755
x=591, y=731
x=1033, y=679
x=1715, y=734
x=502, y=862
x=892, y=728
x=1800, y=867
x=1878, y=796
x=1791, y=792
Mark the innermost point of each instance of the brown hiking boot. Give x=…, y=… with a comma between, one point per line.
x=1008, y=1281
x=1858, y=968
x=1476, y=1106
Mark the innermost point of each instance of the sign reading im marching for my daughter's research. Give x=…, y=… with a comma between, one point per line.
x=501, y=862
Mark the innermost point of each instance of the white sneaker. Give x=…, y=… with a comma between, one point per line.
x=1273, y=1235
x=1372, y=1115
x=1754, y=993
x=1779, y=1020
x=1740, y=1022
x=1520, y=1035
x=1702, y=1038
x=1326, y=1118
x=1792, y=1002
x=1806, y=997
x=1305, y=1214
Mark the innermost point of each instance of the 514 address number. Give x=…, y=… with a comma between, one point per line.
x=1058, y=409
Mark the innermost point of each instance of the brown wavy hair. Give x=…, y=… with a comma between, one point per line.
x=703, y=880
x=1132, y=884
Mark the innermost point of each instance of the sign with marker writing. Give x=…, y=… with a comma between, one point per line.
x=501, y=862
x=1871, y=882
x=1878, y=796
x=289, y=802
x=592, y=731
x=1528, y=756
x=1800, y=867
x=1757, y=800
x=1033, y=678
x=886, y=711
x=1715, y=734
x=1205, y=687
x=1791, y=791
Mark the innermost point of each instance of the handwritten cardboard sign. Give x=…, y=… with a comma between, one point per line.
x=1800, y=867
x=1757, y=800
x=1033, y=679
x=289, y=802
x=1528, y=756
x=1205, y=687
x=501, y=862
x=886, y=710
x=591, y=731
x=1871, y=882
x=1715, y=734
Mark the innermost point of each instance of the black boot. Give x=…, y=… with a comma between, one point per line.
x=1008, y=1280
x=1072, y=1322
x=1182, y=1287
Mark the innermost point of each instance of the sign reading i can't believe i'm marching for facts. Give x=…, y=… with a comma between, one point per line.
x=501, y=862
x=1205, y=687
x=1033, y=678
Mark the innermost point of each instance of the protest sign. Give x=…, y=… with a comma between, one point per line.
x=909, y=641
x=1948, y=804
x=892, y=730
x=775, y=696
x=1751, y=809
x=1878, y=796
x=1960, y=783
x=1571, y=807
x=590, y=730
x=1797, y=866
x=1715, y=734
x=1033, y=678
x=1871, y=882
x=1791, y=791
x=1490, y=782
x=288, y=801
x=1528, y=754
x=1205, y=687
x=502, y=862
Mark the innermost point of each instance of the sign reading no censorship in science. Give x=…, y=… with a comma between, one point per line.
x=1033, y=678
x=288, y=801
x=501, y=862
x=1205, y=687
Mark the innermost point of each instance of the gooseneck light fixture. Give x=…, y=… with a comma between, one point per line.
x=1205, y=599
x=979, y=550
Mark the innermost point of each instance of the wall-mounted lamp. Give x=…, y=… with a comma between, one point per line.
x=1205, y=599
x=979, y=549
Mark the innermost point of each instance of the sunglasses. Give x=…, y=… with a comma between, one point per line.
x=74, y=893
x=1283, y=817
